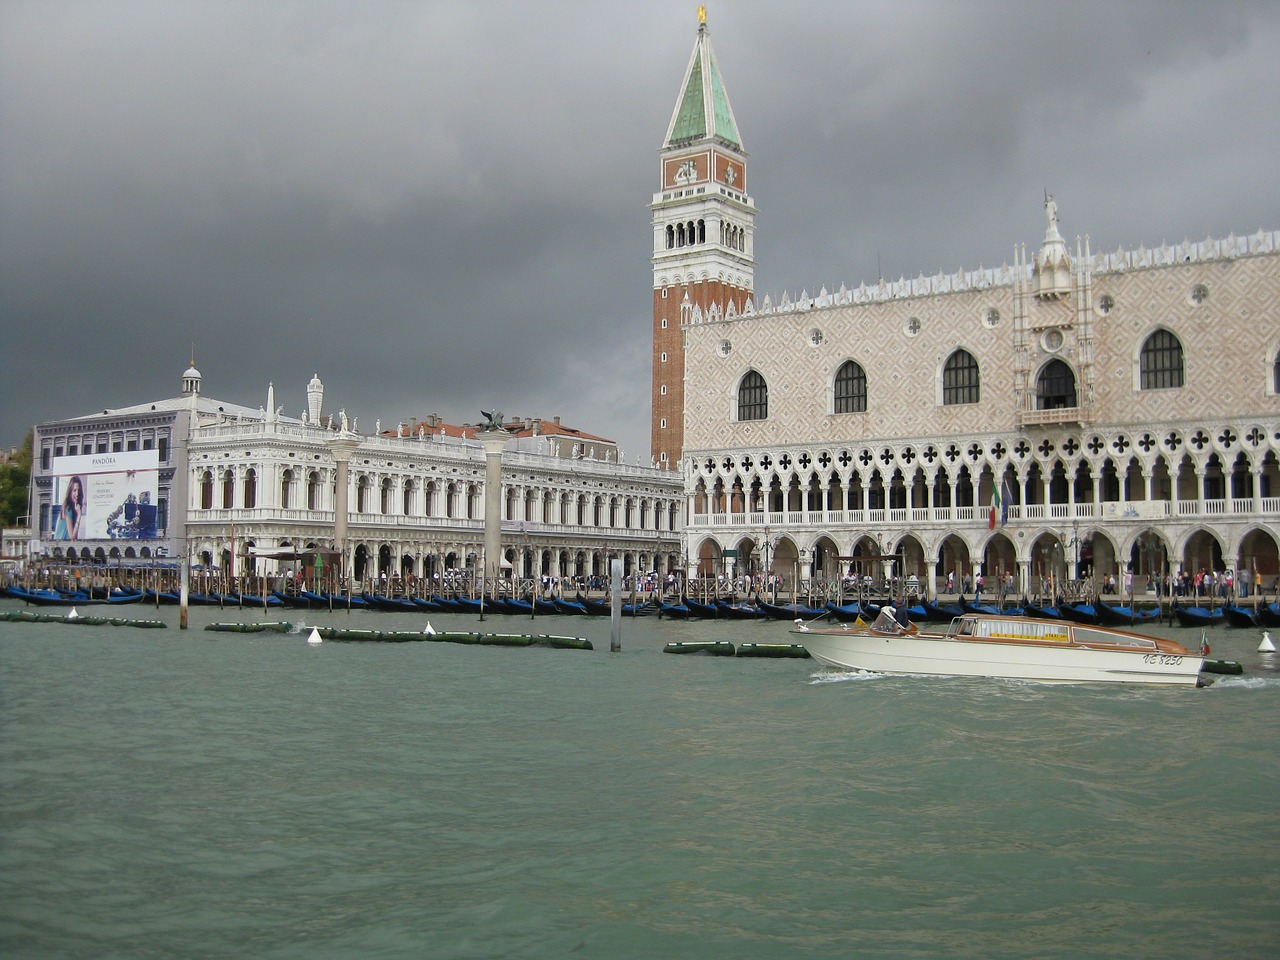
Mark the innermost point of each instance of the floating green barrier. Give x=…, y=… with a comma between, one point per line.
x=716, y=648
x=780, y=650
x=1226, y=667
x=24, y=616
x=474, y=639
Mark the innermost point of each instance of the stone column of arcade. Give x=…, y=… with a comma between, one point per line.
x=343, y=446
x=493, y=438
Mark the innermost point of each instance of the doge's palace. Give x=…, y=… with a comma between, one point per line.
x=1075, y=414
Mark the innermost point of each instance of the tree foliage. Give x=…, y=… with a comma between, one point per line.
x=15, y=476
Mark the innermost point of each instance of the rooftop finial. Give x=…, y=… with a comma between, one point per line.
x=702, y=15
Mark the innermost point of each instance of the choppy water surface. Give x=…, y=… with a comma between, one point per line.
x=191, y=794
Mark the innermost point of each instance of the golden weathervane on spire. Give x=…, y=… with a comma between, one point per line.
x=702, y=14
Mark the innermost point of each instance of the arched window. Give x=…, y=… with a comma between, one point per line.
x=206, y=490
x=250, y=488
x=960, y=379
x=753, y=397
x=313, y=490
x=851, y=388
x=1055, y=387
x=228, y=490
x=1275, y=374
x=286, y=489
x=1160, y=365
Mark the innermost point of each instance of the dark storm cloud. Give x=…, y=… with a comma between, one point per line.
x=438, y=206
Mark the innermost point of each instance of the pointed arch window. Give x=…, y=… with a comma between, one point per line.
x=851, y=388
x=1056, y=387
x=753, y=397
x=1161, y=362
x=960, y=382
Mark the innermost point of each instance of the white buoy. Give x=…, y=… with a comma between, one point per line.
x=314, y=639
x=1266, y=646
x=73, y=615
x=429, y=630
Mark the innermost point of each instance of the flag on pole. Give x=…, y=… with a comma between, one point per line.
x=1006, y=495
x=995, y=507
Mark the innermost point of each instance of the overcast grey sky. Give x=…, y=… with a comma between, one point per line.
x=442, y=206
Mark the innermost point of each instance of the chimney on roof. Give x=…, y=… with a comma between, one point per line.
x=557, y=421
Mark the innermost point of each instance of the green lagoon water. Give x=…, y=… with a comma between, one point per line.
x=193, y=794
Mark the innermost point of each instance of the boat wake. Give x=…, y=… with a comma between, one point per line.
x=1248, y=682
x=843, y=676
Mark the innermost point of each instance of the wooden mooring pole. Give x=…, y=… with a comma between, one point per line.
x=615, y=606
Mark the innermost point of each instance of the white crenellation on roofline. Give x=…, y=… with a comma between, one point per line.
x=1143, y=258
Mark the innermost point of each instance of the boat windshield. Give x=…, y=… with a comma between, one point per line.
x=886, y=621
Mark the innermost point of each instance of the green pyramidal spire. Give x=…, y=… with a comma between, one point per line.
x=703, y=111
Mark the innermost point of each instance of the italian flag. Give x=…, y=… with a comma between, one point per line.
x=995, y=507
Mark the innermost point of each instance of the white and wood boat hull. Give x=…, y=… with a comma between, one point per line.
x=944, y=655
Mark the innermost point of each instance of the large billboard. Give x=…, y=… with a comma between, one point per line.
x=106, y=496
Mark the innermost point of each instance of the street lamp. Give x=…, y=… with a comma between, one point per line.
x=767, y=542
x=1074, y=543
x=1150, y=546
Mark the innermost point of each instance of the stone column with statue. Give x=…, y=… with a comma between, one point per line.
x=493, y=437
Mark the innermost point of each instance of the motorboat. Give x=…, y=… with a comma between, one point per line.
x=1017, y=648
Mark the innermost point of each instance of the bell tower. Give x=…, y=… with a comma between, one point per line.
x=703, y=233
